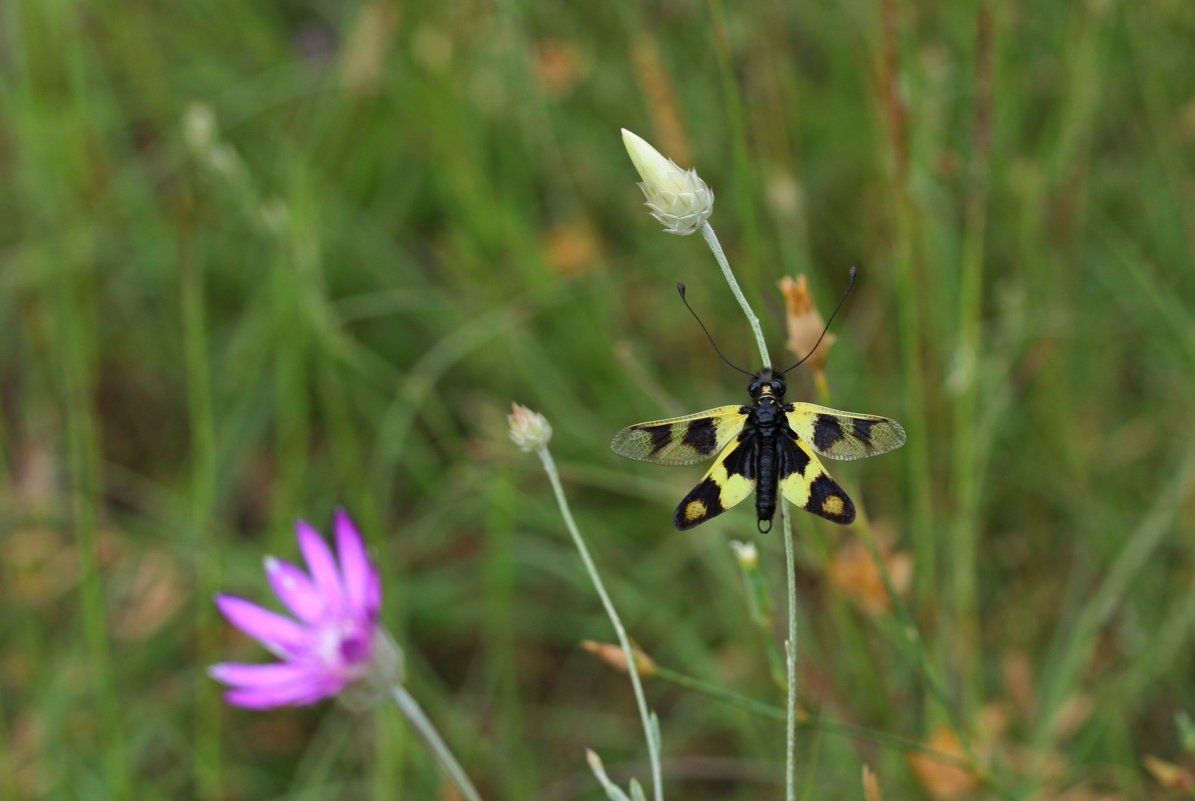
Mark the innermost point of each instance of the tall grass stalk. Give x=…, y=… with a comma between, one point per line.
x=203, y=499
x=83, y=455
x=966, y=456
x=650, y=727
x=894, y=113
x=10, y=789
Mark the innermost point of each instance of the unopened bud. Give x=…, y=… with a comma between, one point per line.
x=677, y=198
x=615, y=657
x=529, y=430
x=759, y=600
x=746, y=553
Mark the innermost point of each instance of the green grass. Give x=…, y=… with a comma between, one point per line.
x=416, y=218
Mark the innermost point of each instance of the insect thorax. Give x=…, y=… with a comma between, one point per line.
x=767, y=392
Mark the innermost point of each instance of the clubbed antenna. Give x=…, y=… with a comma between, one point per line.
x=680, y=288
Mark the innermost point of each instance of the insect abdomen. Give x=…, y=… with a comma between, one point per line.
x=765, y=489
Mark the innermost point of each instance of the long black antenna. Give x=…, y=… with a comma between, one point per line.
x=681, y=289
x=813, y=350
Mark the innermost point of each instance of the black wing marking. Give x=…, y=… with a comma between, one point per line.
x=681, y=440
x=805, y=483
x=844, y=435
x=731, y=479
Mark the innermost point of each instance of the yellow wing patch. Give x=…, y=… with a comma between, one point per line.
x=728, y=481
x=681, y=440
x=844, y=435
x=805, y=483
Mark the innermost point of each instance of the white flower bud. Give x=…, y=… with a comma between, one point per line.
x=677, y=198
x=199, y=127
x=529, y=430
x=746, y=554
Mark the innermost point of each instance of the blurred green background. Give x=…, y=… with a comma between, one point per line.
x=258, y=260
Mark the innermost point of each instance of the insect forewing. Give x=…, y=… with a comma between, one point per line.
x=681, y=440
x=844, y=435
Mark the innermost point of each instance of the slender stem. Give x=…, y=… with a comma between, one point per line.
x=790, y=656
x=648, y=729
x=414, y=713
x=790, y=645
x=203, y=493
x=77, y=335
x=711, y=239
x=966, y=455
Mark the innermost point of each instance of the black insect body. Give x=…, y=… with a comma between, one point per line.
x=770, y=447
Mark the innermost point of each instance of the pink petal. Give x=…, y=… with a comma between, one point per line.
x=321, y=564
x=270, y=628
x=354, y=562
x=295, y=590
x=293, y=695
x=275, y=675
x=373, y=595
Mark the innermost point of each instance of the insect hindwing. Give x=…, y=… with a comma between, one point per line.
x=844, y=435
x=731, y=479
x=805, y=483
x=681, y=440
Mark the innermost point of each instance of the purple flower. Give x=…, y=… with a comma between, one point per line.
x=332, y=642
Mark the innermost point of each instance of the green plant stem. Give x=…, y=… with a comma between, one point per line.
x=648, y=729
x=414, y=713
x=966, y=453
x=910, y=287
x=790, y=659
x=203, y=489
x=790, y=646
x=711, y=239
x=75, y=316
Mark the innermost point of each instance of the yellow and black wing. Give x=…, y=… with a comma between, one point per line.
x=681, y=440
x=731, y=479
x=805, y=483
x=844, y=435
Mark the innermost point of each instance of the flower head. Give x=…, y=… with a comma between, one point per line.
x=529, y=430
x=677, y=198
x=332, y=643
